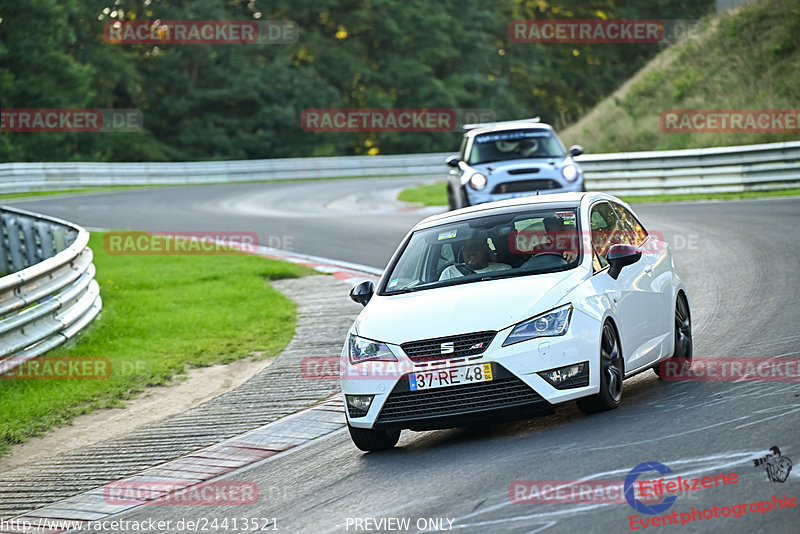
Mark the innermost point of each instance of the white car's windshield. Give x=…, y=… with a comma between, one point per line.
x=498, y=246
x=517, y=144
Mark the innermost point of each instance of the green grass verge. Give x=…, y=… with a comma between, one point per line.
x=161, y=315
x=436, y=195
x=429, y=195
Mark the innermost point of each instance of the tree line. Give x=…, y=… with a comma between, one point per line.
x=245, y=101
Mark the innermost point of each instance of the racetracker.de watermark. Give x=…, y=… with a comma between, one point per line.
x=335, y=368
x=189, y=243
x=779, y=369
x=55, y=368
x=379, y=120
x=600, y=31
x=730, y=120
x=213, y=523
x=331, y=368
x=180, y=493
x=570, y=492
x=585, y=31
x=393, y=119
x=31, y=120
x=542, y=241
x=164, y=32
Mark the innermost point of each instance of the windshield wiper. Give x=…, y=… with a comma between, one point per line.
x=503, y=274
x=404, y=290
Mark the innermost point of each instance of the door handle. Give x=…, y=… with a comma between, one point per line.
x=648, y=269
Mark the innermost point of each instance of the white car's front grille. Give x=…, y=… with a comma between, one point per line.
x=504, y=392
x=448, y=347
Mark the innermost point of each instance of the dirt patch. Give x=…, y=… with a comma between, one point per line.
x=154, y=404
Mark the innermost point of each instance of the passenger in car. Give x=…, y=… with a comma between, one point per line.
x=476, y=253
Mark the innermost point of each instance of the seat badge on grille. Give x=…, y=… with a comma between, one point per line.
x=476, y=346
x=448, y=347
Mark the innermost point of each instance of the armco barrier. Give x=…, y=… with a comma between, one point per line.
x=22, y=177
x=722, y=169
x=719, y=169
x=50, y=294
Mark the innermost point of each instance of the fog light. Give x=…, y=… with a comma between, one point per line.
x=358, y=405
x=571, y=376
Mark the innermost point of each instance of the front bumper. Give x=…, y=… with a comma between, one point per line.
x=505, y=397
x=517, y=390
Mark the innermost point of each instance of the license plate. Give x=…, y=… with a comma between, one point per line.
x=453, y=376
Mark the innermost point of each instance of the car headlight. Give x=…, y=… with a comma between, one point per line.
x=477, y=181
x=364, y=350
x=569, y=172
x=552, y=323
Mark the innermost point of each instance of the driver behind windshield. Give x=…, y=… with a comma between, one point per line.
x=477, y=259
x=560, y=241
x=528, y=147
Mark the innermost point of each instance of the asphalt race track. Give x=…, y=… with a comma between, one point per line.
x=740, y=262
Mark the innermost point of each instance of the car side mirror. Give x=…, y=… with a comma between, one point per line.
x=575, y=150
x=621, y=255
x=362, y=292
x=452, y=161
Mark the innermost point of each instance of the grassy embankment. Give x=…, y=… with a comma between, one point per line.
x=747, y=59
x=162, y=314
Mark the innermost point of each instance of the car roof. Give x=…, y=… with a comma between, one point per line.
x=553, y=200
x=508, y=126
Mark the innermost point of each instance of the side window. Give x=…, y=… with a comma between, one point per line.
x=607, y=230
x=462, y=154
x=635, y=231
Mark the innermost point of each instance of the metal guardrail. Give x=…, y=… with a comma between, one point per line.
x=51, y=293
x=23, y=177
x=719, y=169
x=737, y=168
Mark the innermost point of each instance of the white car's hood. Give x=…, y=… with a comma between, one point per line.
x=459, y=309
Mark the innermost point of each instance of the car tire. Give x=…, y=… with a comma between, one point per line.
x=612, y=373
x=464, y=199
x=683, y=338
x=451, y=199
x=456, y=198
x=370, y=440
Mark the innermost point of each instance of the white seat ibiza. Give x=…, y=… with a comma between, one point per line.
x=504, y=309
